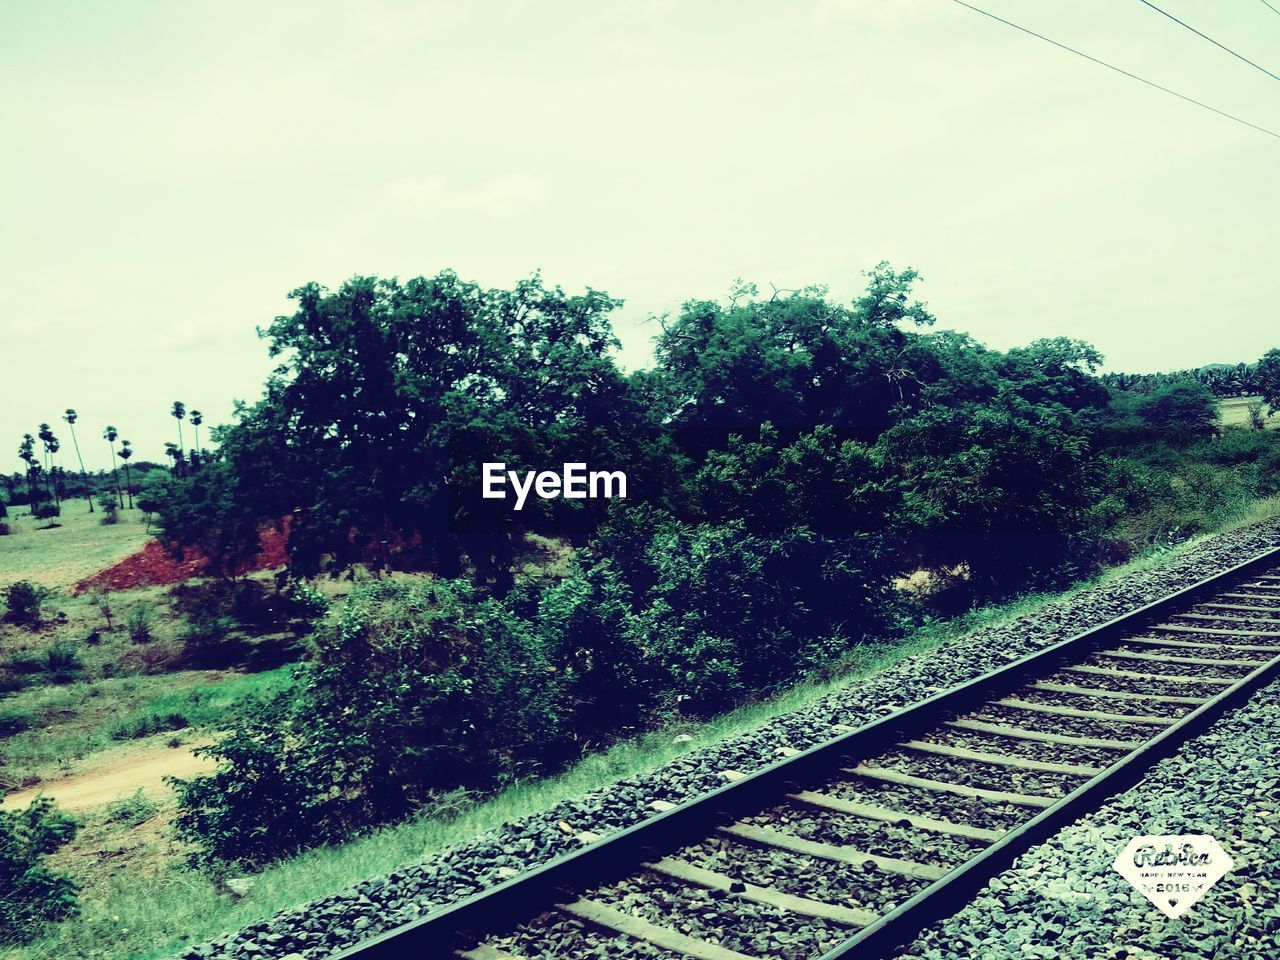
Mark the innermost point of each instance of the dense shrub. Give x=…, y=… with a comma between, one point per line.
x=13, y=721
x=46, y=510
x=62, y=658
x=110, y=507
x=412, y=689
x=23, y=601
x=135, y=809
x=31, y=895
x=140, y=622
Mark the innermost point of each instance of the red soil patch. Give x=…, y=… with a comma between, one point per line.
x=156, y=565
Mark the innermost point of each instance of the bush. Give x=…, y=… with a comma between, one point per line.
x=30, y=895
x=24, y=600
x=132, y=810
x=149, y=724
x=412, y=689
x=24, y=663
x=12, y=721
x=140, y=622
x=1257, y=418
x=62, y=662
x=305, y=601
x=46, y=511
x=110, y=507
x=4, y=529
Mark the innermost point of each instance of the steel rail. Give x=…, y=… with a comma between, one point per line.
x=439, y=934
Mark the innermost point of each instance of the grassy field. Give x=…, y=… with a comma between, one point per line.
x=139, y=901
x=1234, y=412
x=60, y=556
x=84, y=693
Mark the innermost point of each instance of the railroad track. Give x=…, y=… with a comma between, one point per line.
x=849, y=849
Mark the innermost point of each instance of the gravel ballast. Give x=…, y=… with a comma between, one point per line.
x=1064, y=899
x=317, y=929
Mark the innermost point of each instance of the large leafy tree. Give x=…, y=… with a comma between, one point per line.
x=1267, y=378
x=796, y=360
x=389, y=396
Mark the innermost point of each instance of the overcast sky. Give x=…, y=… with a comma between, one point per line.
x=171, y=170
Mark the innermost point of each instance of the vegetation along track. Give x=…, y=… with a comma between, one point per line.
x=848, y=849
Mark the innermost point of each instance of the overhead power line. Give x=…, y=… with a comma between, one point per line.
x=1109, y=66
x=1205, y=36
x=1270, y=7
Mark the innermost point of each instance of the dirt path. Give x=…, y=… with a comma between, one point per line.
x=118, y=774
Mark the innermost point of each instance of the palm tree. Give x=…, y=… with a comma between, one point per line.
x=70, y=418
x=27, y=454
x=50, y=447
x=179, y=412
x=55, y=472
x=197, y=418
x=109, y=435
x=126, y=451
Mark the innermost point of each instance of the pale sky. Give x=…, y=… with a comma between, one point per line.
x=171, y=170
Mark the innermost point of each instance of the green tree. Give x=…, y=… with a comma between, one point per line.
x=414, y=689
x=389, y=397
x=126, y=453
x=50, y=447
x=110, y=434
x=32, y=896
x=795, y=360
x=197, y=418
x=27, y=454
x=1267, y=376
x=179, y=412
x=70, y=416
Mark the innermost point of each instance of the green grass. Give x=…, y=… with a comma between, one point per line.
x=137, y=915
x=61, y=556
x=73, y=721
x=1234, y=412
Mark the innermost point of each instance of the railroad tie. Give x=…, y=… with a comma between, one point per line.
x=685, y=872
x=1170, y=658
x=869, y=811
x=1229, y=618
x=605, y=916
x=885, y=775
x=1018, y=733
x=999, y=759
x=1241, y=606
x=1217, y=631
x=1054, y=709
x=1195, y=645
x=1164, y=677
x=486, y=952
x=790, y=843
x=1117, y=694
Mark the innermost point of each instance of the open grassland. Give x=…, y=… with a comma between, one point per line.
x=139, y=901
x=62, y=555
x=1234, y=412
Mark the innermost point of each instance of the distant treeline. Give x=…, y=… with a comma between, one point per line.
x=1222, y=379
x=68, y=484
